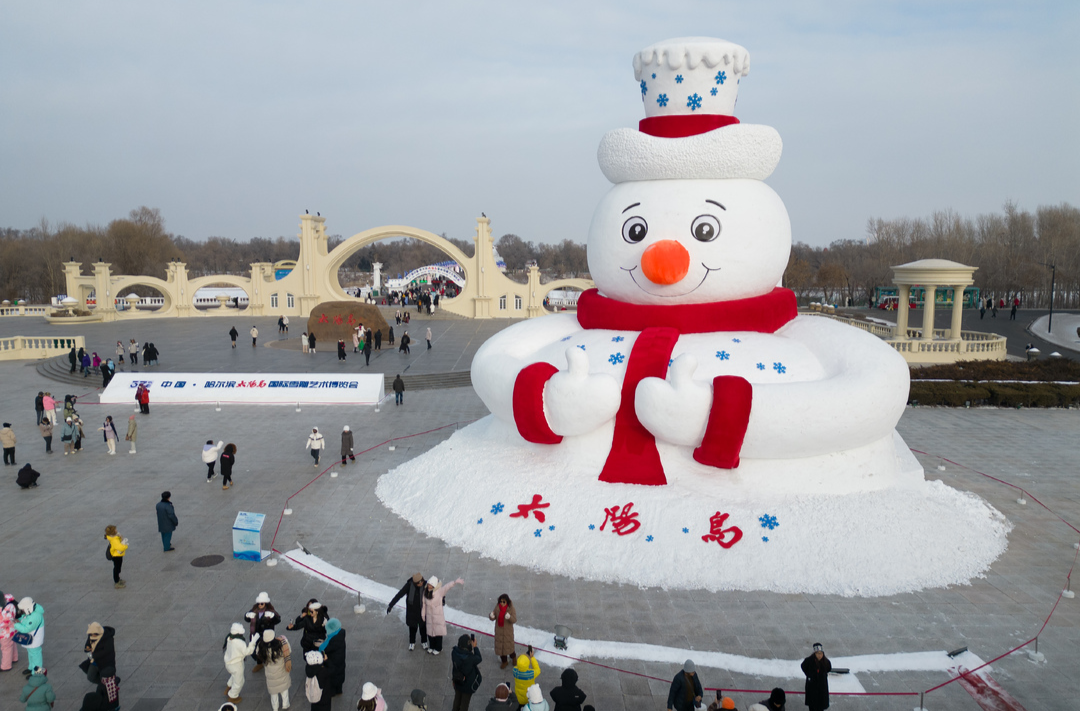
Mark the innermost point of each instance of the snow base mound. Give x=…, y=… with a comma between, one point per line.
x=717, y=534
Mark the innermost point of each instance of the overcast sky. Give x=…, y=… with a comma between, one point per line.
x=235, y=117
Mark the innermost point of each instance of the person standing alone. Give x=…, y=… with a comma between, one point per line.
x=399, y=390
x=166, y=520
x=315, y=442
x=116, y=551
x=816, y=667
x=132, y=433
x=428, y=337
x=254, y=335
x=233, y=333
x=347, y=445
x=7, y=439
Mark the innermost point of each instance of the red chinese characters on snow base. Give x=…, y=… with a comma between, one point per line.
x=534, y=508
x=720, y=535
x=623, y=521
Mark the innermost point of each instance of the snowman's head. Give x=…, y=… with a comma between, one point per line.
x=688, y=241
x=689, y=220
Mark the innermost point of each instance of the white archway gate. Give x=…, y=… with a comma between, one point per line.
x=430, y=270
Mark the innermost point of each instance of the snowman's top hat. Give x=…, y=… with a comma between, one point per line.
x=689, y=87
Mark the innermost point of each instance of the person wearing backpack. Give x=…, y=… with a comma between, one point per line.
x=465, y=671
x=115, y=551
x=317, y=679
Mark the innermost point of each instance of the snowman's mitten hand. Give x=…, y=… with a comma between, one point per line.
x=675, y=410
x=576, y=401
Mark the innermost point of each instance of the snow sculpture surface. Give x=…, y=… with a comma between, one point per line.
x=686, y=401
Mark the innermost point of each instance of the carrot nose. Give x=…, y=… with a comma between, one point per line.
x=665, y=262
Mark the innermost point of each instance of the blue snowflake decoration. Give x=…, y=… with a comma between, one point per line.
x=616, y=358
x=678, y=78
x=670, y=361
x=713, y=91
x=479, y=521
x=567, y=338
x=779, y=368
x=693, y=102
x=723, y=355
x=581, y=346
x=653, y=76
x=662, y=99
x=537, y=533
x=721, y=77
x=765, y=539
x=768, y=521
x=736, y=340
x=617, y=339
x=592, y=526
x=648, y=539
x=686, y=530
x=497, y=509
x=761, y=366
x=551, y=528
x=644, y=88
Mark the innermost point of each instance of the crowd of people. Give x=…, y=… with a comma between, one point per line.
x=89, y=362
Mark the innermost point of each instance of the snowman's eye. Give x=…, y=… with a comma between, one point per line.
x=635, y=229
x=705, y=228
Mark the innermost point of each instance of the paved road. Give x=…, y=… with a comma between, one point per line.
x=172, y=617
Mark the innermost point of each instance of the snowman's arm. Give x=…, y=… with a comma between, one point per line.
x=859, y=401
x=497, y=364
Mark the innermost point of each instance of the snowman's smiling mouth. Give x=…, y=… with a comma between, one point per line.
x=705, y=276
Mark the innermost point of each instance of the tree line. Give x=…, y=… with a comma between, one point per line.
x=1012, y=250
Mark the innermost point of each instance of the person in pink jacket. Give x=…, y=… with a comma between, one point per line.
x=432, y=611
x=9, y=651
x=49, y=403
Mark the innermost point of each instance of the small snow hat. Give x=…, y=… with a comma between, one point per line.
x=727, y=703
x=689, y=667
x=818, y=647
x=95, y=628
x=268, y=636
x=418, y=697
x=433, y=581
x=689, y=86
x=316, y=605
x=534, y=694
x=26, y=604
x=502, y=692
x=370, y=691
x=227, y=707
x=417, y=577
x=236, y=628
x=263, y=598
x=313, y=657
x=346, y=429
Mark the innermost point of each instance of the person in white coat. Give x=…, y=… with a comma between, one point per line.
x=236, y=648
x=210, y=454
x=316, y=442
x=254, y=336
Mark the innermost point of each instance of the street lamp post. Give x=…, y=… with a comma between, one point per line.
x=1053, y=276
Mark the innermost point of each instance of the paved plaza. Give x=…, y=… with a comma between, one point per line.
x=172, y=618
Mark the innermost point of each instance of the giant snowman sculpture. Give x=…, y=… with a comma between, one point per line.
x=686, y=428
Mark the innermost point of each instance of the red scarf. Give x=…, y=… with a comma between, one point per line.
x=633, y=458
x=502, y=615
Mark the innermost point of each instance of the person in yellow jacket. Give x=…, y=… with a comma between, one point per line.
x=526, y=672
x=117, y=548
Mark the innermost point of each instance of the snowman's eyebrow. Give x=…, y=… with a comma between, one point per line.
x=634, y=205
x=714, y=203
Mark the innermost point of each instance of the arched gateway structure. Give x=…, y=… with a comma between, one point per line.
x=486, y=293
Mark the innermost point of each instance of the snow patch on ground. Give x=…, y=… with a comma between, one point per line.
x=1064, y=334
x=586, y=649
x=869, y=543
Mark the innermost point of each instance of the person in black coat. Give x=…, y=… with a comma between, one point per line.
x=816, y=667
x=685, y=692
x=233, y=333
x=413, y=592
x=776, y=701
x=312, y=622
x=100, y=651
x=333, y=650
x=465, y=671
x=568, y=697
x=27, y=477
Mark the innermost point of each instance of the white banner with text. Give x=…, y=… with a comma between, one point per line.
x=248, y=388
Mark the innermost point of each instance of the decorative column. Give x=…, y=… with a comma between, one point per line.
x=103, y=291
x=928, y=313
x=376, y=276
x=957, y=312
x=72, y=272
x=902, y=311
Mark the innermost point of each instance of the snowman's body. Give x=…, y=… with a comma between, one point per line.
x=820, y=389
